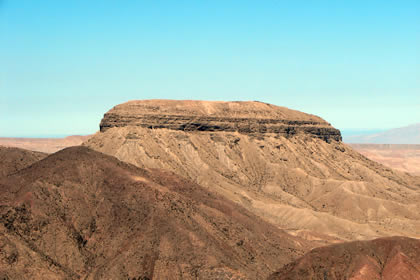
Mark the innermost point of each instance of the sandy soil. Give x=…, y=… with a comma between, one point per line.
x=45, y=145
x=402, y=157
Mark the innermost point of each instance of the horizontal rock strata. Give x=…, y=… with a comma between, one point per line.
x=317, y=190
x=220, y=117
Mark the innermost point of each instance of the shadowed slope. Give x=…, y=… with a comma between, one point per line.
x=14, y=159
x=300, y=178
x=392, y=258
x=82, y=214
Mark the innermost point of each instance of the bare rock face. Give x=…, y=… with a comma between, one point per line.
x=80, y=214
x=242, y=117
x=320, y=190
x=392, y=258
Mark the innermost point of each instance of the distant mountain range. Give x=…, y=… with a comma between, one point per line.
x=403, y=135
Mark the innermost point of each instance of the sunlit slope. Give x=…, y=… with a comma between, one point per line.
x=309, y=183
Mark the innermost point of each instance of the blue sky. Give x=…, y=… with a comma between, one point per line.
x=63, y=64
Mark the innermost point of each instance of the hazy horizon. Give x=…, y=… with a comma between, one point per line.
x=64, y=64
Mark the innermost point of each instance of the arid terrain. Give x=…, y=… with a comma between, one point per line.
x=288, y=167
x=82, y=214
x=15, y=159
x=388, y=258
x=207, y=190
x=401, y=157
x=44, y=145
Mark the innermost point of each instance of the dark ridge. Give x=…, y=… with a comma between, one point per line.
x=82, y=214
x=15, y=159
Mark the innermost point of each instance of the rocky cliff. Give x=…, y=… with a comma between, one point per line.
x=321, y=190
x=242, y=117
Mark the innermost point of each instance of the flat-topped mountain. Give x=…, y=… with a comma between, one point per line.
x=244, y=117
x=288, y=167
x=391, y=258
x=80, y=214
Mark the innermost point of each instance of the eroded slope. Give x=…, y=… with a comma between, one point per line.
x=392, y=258
x=14, y=159
x=80, y=214
x=309, y=184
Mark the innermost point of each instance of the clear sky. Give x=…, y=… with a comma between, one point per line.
x=63, y=64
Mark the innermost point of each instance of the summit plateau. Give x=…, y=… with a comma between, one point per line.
x=241, y=117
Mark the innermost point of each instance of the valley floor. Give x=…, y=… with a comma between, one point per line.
x=405, y=158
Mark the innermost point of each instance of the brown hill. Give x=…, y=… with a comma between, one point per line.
x=14, y=159
x=80, y=214
x=392, y=258
x=286, y=166
x=44, y=145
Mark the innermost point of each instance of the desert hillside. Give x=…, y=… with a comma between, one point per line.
x=286, y=166
x=391, y=258
x=80, y=214
x=15, y=159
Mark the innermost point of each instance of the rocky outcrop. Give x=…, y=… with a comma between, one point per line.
x=242, y=117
